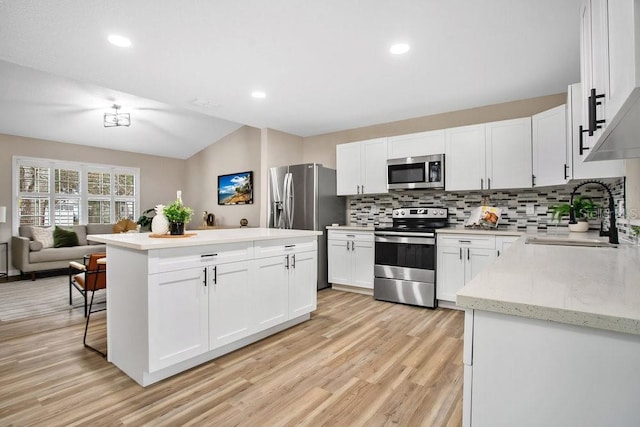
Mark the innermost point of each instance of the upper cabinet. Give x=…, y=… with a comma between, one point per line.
x=549, y=140
x=361, y=167
x=494, y=155
x=577, y=168
x=416, y=144
x=610, y=73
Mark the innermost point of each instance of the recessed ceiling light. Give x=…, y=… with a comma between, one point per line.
x=399, y=48
x=119, y=41
x=258, y=94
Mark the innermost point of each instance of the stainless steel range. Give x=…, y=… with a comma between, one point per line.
x=405, y=254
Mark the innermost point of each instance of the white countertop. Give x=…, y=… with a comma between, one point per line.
x=351, y=227
x=142, y=241
x=461, y=229
x=586, y=286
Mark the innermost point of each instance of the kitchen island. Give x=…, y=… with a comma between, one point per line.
x=552, y=337
x=176, y=302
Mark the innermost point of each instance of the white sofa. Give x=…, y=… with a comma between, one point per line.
x=28, y=256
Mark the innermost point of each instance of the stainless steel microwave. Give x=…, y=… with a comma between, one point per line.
x=416, y=172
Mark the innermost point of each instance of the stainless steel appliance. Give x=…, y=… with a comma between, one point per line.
x=405, y=256
x=416, y=172
x=304, y=197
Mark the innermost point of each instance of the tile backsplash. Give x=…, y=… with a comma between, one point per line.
x=521, y=209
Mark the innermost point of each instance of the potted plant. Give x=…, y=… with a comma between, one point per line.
x=584, y=209
x=177, y=214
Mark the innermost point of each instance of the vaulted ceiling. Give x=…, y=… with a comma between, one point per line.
x=323, y=65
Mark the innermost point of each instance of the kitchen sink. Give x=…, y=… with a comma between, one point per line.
x=559, y=241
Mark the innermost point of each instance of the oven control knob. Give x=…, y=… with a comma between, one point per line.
x=402, y=212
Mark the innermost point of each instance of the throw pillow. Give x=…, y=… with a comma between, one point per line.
x=64, y=238
x=43, y=235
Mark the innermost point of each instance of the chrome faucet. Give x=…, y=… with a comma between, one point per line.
x=613, y=230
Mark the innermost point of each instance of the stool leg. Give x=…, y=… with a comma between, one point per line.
x=86, y=328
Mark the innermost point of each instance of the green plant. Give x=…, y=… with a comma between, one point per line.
x=177, y=212
x=636, y=230
x=145, y=219
x=584, y=207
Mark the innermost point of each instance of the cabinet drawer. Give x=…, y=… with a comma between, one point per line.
x=268, y=248
x=467, y=241
x=357, y=236
x=163, y=260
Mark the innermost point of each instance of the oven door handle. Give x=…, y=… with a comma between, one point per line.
x=405, y=238
x=401, y=233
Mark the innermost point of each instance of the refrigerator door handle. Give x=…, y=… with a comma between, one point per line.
x=290, y=199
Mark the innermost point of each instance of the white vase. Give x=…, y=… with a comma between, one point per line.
x=579, y=227
x=159, y=223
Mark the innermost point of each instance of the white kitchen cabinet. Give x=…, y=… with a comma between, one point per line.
x=361, y=167
x=494, y=155
x=460, y=257
x=508, y=157
x=351, y=258
x=178, y=317
x=283, y=269
x=549, y=143
x=610, y=65
x=229, y=306
x=465, y=158
x=416, y=144
x=503, y=243
x=578, y=168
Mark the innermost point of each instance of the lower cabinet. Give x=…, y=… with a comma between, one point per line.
x=199, y=309
x=229, y=308
x=178, y=317
x=459, y=258
x=351, y=258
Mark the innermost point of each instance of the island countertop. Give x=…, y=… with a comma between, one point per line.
x=144, y=241
x=586, y=286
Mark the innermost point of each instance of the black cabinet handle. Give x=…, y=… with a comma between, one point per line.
x=286, y=262
x=208, y=255
x=460, y=254
x=581, y=131
x=293, y=261
x=533, y=180
x=594, y=123
x=566, y=167
x=289, y=246
x=468, y=254
x=205, y=276
x=215, y=275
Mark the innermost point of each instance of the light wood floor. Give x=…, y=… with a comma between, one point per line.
x=356, y=362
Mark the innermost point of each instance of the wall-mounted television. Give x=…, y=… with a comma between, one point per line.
x=235, y=188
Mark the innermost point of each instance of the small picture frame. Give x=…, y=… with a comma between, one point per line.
x=235, y=188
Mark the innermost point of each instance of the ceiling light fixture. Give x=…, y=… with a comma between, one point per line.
x=116, y=118
x=119, y=41
x=399, y=48
x=258, y=94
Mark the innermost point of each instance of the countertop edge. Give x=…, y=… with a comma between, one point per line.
x=591, y=320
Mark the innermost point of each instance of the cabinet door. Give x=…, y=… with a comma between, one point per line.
x=550, y=147
x=362, y=254
x=465, y=158
x=339, y=262
x=579, y=168
x=503, y=243
x=416, y=144
x=373, y=166
x=348, y=169
x=302, y=283
x=508, y=161
x=477, y=260
x=178, y=317
x=270, y=292
x=450, y=272
x=229, y=304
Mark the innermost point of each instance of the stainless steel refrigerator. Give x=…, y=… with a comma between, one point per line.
x=304, y=197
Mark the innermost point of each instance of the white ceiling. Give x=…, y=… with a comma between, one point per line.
x=324, y=65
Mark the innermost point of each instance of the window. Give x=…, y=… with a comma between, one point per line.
x=66, y=193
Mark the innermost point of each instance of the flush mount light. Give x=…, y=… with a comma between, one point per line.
x=116, y=118
x=119, y=41
x=258, y=94
x=399, y=48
